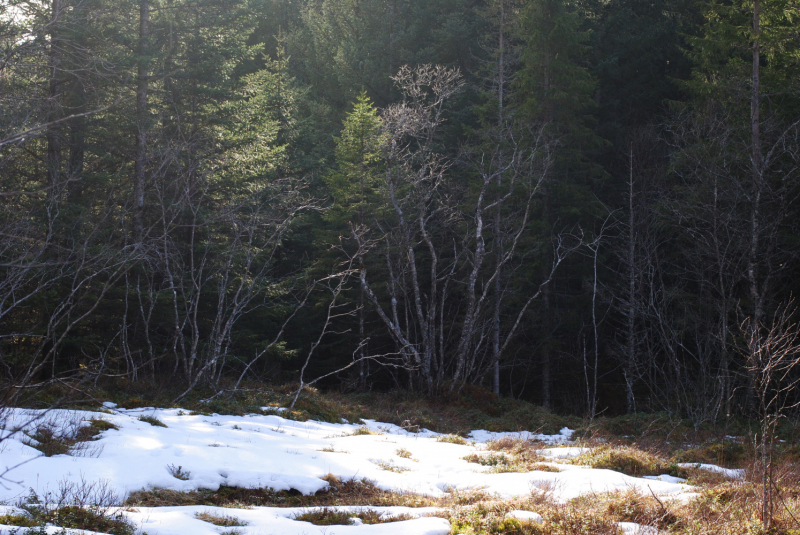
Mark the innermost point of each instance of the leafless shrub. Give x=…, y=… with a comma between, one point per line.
x=773, y=355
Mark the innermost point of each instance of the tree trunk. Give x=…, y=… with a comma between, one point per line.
x=501, y=80
x=756, y=293
x=142, y=83
x=54, y=111
x=630, y=347
x=546, y=380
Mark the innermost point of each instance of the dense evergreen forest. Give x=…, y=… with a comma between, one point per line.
x=588, y=204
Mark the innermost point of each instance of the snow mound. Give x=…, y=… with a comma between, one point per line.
x=266, y=450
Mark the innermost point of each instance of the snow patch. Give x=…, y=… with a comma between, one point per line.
x=525, y=516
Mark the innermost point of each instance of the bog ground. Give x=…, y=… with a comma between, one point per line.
x=132, y=450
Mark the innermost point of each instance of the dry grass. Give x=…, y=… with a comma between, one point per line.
x=724, y=507
x=334, y=517
x=629, y=460
x=391, y=467
x=510, y=454
x=363, y=430
x=500, y=463
x=360, y=492
x=731, y=508
x=727, y=453
x=178, y=472
x=558, y=519
x=219, y=520
x=452, y=439
x=152, y=420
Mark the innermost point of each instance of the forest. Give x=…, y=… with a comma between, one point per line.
x=591, y=205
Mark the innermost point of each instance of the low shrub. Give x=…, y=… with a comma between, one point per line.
x=67, y=435
x=23, y=521
x=90, y=519
x=178, y=472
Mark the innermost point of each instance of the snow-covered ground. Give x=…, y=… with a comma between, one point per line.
x=271, y=451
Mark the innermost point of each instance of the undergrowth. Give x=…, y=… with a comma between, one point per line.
x=66, y=436
x=629, y=460
x=335, y=517
x=152, y=420
x=219, y=520
x=88, y=517
x=339, y=492
x=510, y=454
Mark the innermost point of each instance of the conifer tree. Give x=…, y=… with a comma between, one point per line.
x=556, y=89
x=356, y=188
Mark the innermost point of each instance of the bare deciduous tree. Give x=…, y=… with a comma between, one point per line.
x=773, y=358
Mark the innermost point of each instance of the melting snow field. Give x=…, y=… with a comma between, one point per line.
x=270, y=451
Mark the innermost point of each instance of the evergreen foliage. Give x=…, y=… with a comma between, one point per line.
x=576, y=203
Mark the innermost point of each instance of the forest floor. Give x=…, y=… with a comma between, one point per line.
x=327, y=467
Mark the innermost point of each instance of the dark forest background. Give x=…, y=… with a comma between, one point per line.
x=588, y=204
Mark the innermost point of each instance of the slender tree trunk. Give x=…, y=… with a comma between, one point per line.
x=593, y=405
x=546, y=380
x=498, y=297
x=54, y=112
x=548, y=114
x=756, y=293
x=77, y=126
x=77, y=143
x=630, y=349
x=142, y=86
x=362, y=352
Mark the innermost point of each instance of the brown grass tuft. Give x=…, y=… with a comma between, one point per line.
x=629, y=460
x=219, y=520
x=335, y=517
